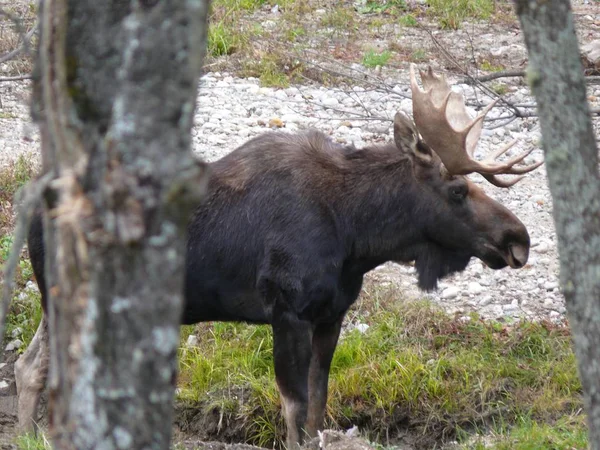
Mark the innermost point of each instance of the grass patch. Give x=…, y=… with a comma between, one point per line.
x=451, y=13
x=339, y=18
x=382, y=6
x=269, y=70
x=569, y=432
x=408, y=20
x=415, y=370
x=373, y=59
x=13, y=177
x=419, y=55
x=489, y=66
x=32, y=442
x=224, y=39
x=499, y=88
x=226, y=34
x=7, y=115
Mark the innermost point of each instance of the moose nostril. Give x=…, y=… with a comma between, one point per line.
x=519, y=255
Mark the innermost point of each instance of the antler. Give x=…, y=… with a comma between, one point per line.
x=444, y=123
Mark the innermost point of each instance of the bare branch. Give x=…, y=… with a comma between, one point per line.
x=493, y=76
x=16, y=78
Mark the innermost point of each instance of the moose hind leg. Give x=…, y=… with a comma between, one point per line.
x=292, y=354
x=324, y=341
x=31, y=371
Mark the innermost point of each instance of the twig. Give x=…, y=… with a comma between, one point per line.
x=593, y=79
x=493, y=76
x=27, y=199
x=17, y=78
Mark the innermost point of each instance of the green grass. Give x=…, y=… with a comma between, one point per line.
x=451, y=13
x=416, y=370
x=408, y=20
x=567, y=433
x=373, y=59
x=13, y=177
x=499, y=88
x=240, y=31
x=490, y=66
x=379, y=6
x=269, y=70
x=339, y=18
x=226, y=34
x=31, y=442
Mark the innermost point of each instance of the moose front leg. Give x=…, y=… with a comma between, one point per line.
x=324, y=341
x=292, y=350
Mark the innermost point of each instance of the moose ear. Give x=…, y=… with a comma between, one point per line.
x=407, y=139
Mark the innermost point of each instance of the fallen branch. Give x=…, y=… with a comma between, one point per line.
x=493, y=76
x=17, y=78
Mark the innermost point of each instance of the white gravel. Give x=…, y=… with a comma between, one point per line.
x=231, y=110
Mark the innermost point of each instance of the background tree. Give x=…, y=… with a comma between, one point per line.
x=556, y=78
x=114, y=95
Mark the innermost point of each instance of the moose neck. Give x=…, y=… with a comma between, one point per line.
x=381, y=214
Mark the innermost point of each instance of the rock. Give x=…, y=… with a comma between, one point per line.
x=16, y=332
x=362, y=327
x=548, y=303
x=590, y=53
x=3, y=385
x=281, y=95
x=276, y=122
x=450, y=292
x=542, y=248
x=474, y=288
x=14, y=345
x=330, y=101
x=485, y=300
x=192, y=341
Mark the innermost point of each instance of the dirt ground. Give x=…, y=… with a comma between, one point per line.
x=19, y=137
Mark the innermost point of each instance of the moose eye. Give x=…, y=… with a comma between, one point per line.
x=458, y=193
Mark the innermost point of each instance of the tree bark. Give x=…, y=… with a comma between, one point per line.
x=555, y=75
x=115, y=88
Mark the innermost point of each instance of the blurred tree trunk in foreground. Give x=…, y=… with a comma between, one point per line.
x=114, y=95
x=555, y=75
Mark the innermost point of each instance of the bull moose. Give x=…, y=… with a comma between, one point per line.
x=293, y=222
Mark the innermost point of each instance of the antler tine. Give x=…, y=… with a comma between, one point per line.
x=444, y=123
x=493, y=179
x=493, y=167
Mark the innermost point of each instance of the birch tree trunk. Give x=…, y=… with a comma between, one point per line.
x=114, y=95
x=556, y=77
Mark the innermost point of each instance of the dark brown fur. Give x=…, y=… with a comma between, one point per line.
x=291, y=224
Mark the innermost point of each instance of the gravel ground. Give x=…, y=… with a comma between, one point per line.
x=231, y=110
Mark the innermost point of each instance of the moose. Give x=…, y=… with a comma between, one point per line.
x=293, y=222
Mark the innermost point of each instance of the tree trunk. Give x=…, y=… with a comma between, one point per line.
x=114, y=95
x=556, y=78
